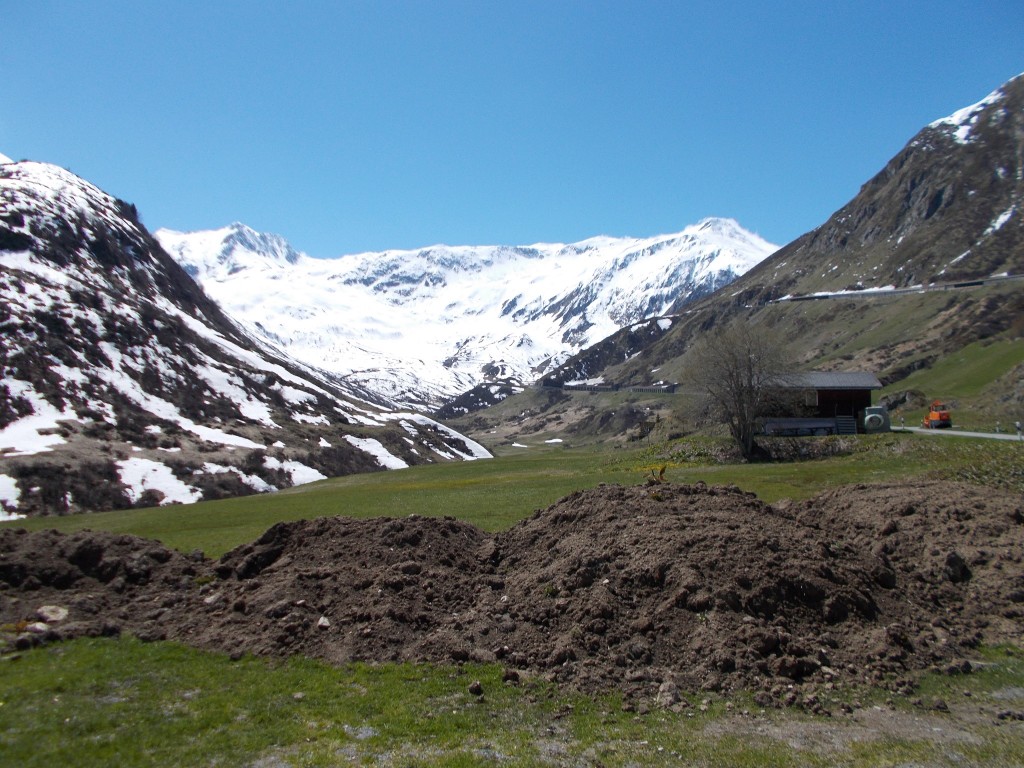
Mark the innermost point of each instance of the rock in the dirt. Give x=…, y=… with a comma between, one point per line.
x=668, y=695
x=956, y=569
x=51, y=614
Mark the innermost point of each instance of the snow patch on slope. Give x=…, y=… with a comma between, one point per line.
x=472, y=449
x=127, y=386
x=36, y=432
x=9, y=498
x=258, y=484
x=964, y=120
x=300, y=473
x=141, y=475
x=1001, y=219
x=376, y=449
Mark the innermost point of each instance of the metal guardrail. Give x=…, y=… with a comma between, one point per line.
x=654, y=389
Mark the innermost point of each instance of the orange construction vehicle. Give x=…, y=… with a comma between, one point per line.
x=938, y=417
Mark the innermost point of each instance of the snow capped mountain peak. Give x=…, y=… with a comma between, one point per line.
x=717, y=223
x=241, y=237
x=226, y=251
x=4, y=159
x=963, y=121
x=420, y=327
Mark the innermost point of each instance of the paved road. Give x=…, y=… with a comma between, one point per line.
x=960, y=433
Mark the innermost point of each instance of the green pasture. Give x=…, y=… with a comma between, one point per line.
x=492, y=494
x=122, y=702
x=495, y=493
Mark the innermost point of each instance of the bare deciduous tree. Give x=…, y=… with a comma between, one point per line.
x=735, y=368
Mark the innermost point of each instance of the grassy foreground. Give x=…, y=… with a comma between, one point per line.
x=122, y=702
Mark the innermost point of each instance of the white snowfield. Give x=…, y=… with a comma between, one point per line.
x=473, y=450
x=140, y=475
x=420, y=327
x=36, y=432
x=374, y=447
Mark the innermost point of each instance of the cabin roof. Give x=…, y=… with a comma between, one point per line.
x=827, y=380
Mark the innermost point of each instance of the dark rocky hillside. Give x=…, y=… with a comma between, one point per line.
x=949, y=207
x=125, y=385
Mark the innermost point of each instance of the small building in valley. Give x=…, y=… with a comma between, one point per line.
x=826, y=403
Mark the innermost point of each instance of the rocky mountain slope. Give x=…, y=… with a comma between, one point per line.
x=419, y=328
x=949, y=207
x=920, y=264
x=125, y=385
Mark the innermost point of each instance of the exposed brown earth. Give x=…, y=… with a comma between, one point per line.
x=649, y=590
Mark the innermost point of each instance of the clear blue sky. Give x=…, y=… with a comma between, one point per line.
x=349, y=126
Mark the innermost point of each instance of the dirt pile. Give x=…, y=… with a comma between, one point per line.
x=102, y=583
x=648, y=590
x=346, y=590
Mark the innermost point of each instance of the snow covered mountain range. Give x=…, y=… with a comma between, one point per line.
x=124, y=385
x=418, y=328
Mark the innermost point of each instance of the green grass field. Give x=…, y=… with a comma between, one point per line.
x=491, y=494
x=121, y=702
x=101, y=702
x=495, y=493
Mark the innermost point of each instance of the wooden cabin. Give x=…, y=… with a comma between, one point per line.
x=822, y=403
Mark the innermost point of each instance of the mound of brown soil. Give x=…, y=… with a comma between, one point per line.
x=633, y=589
x=103, y=582
x=346, y=590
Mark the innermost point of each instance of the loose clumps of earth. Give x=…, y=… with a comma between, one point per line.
x=652, y=591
